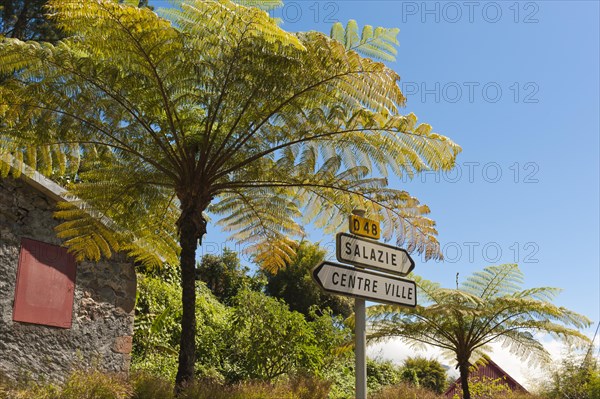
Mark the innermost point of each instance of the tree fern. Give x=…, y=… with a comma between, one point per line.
x=213, y=108
x=490, y=306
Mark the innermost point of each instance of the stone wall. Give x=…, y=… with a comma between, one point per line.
x=104, y=298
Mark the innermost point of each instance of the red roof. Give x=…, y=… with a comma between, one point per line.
x=489, y=370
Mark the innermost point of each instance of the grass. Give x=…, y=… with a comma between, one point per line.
x=96, y=385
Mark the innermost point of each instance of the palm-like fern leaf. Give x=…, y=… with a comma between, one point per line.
x=378, y=43
x=491, y=307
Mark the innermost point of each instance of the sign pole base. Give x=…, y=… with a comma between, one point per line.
x=360, y=348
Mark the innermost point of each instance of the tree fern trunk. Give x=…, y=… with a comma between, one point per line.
x=464, y=379
x=188, y=239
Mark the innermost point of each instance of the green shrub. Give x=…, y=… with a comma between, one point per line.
x=268, y=340
x=574, y=377
x=426, y=373
x=158, y=329
x=156, y=363
x=381, y=373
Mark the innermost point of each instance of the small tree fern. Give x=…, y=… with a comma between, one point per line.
x=212, y=109
x=490, y=306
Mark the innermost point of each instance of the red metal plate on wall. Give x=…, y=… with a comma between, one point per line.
x=45, y=284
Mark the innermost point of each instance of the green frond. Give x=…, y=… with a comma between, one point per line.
x=266, y=5
x=379, y=43
x=86, y=237
x=495, y=281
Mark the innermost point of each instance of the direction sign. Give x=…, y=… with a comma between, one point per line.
x=350, y=281
x=373, y=255
x=364, y=227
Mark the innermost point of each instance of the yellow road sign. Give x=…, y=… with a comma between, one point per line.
x=364, y=227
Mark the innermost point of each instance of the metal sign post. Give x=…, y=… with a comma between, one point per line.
x=360, y=348
x=360, y=340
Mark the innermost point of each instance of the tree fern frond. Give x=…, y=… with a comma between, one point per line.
x=266, y=5
x=489, y=307
x=379, y=43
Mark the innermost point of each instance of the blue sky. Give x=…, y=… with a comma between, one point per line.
x=516, y=84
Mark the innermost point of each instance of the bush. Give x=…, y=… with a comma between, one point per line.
x=158, y=329
x=575, y=377
x=381, y=373
x=268, y=340
x=426, y=373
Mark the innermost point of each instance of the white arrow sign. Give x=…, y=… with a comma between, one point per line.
x=373, y=255
x=347, y=280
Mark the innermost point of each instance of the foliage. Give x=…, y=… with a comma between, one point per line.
x=234, y=343
x=225, y=276
x=380, y=376
x=341, y=375
x=293, y=283
x=381, y=373
x=25, y=20
x=575, y=378
x=158, y=328
x=215, y=109
x=331, y=335
x=267, y=340
x=379, y=43
x=148, y=386
x=156, y=316
x=95, y=385
x=427, y=373
x=306, y=386
x=299, y=388
x=489, y=306
x=487, y=388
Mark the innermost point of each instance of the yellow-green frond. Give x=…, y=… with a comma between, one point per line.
x=379, y=43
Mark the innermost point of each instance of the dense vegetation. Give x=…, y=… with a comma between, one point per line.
x=255, y=346
x=249, y=335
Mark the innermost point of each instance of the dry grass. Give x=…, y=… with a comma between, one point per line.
x=95, y=385
x=406, y=391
